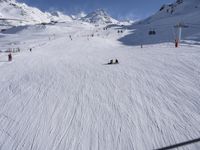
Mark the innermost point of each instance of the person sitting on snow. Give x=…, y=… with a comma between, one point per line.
x=113, y=62
x=116, y=62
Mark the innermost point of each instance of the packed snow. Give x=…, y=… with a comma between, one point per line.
x=59, y=93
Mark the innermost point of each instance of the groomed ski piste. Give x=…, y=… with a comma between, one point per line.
x=62, y=96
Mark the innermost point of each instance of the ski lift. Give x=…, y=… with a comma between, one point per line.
x=152, y=32
x=3, y=30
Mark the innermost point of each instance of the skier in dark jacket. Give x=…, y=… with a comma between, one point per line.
x=10, y=57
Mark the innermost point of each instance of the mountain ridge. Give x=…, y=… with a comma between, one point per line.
x=99, y=16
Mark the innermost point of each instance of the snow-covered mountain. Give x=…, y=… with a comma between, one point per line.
x=26, y=15
x=11, y=9
x=79, y=15
x=99, y=16
x=59, y=16
x=182, y=10
x=163, y=23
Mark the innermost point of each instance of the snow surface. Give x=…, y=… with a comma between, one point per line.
x=63, y=96
x=164, y=22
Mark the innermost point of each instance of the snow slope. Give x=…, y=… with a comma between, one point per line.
x=186, y=12
x=26, y=15
x=63, y=96
x=60, y=17
x=99, y=17
x=19, y=14
x=177, y=9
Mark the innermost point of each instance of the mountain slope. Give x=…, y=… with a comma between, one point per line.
x=99, y=17
x=185, y=12
x=59, y=16
x=28, y=15
x=10, y=9
x=180, y=9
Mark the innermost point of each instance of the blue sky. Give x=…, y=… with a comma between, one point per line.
x=119, y=9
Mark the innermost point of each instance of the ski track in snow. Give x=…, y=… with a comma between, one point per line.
x=61, y=96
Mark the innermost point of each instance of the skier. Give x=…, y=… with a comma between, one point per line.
x=70, y=37
x=30, y=49
x=10, y=57
x=111, y=62
x=176, y=43
x=116, y=61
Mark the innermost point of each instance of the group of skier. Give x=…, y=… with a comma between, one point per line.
x=120, y=31
x=10, y=57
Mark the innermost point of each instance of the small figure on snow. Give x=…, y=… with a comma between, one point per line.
x=176, y=42
x=10, y=57
x=112, y=62
x=70, y=37
x=116, y=61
